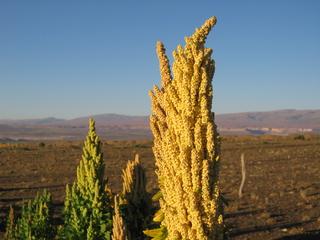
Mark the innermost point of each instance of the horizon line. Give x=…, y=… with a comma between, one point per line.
x=146, y=115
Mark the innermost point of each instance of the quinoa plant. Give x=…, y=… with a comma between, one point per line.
x=136, y=202
x=10, y=226
x=35, y=222
x=119, y=229
x=186, y=143
x=87, y=211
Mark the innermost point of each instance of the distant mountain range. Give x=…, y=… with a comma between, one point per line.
x=115, y=126
x=108, y=119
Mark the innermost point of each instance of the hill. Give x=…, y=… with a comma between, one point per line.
x=115, y=126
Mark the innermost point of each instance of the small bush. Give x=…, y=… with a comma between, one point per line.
x=35, y=221
x=299, y=137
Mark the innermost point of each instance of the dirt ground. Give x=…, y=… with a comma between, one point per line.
x=281, y=194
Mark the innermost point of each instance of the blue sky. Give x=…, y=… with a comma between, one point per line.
x=74, y=58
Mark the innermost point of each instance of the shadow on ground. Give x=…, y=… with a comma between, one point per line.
x=312, y=235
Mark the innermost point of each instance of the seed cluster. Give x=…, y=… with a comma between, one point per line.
x=186, y=142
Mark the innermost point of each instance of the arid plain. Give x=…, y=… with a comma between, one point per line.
x=281, y=194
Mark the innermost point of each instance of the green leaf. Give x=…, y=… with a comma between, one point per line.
x=157, y=233
x=158, y=216
x=157, y=196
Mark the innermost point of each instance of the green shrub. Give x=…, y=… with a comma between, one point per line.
x=87, y=211
x=35, y=221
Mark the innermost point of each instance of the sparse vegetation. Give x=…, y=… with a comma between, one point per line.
x=273, y=186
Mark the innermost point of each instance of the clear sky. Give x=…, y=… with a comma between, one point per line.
x=74, y=58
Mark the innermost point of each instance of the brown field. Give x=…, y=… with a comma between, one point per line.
x=281, y=194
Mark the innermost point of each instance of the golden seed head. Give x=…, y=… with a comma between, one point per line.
x=186, y=145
